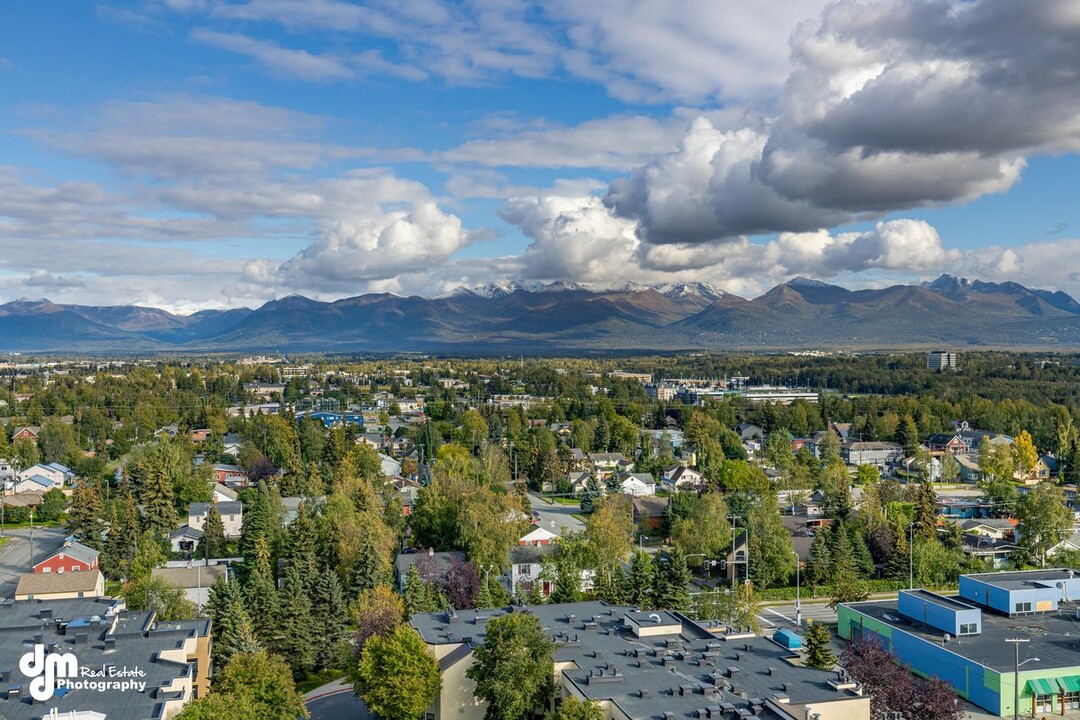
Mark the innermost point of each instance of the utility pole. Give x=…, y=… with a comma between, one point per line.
x=911, y=556
x=1016, y=674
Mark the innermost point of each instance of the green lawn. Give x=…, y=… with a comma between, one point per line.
x=4, y=541
x=314, y=680
x=566, y=501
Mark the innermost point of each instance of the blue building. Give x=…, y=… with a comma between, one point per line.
x=333, y=419
x=964, y=640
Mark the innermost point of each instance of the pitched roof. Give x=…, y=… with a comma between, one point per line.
x=49, y=583
x=77, y=551
x=231, y=507
x=191, y=577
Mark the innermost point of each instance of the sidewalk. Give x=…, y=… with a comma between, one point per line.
x=338, y=686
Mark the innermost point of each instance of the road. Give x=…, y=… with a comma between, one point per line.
x=338, y=706
x=783, y=616
x=557, y=518
x=15, y=554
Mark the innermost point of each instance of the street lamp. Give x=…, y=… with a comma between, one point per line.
x=798, y=603
x=640, y=538
x=1016, y=673
x=911, y=556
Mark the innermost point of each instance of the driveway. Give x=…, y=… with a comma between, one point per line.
x=336, y=702
x=557, y=518
x=15, y=554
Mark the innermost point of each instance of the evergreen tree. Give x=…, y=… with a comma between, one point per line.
x=819, y=569
x=641, y=581
x=225, y=607
x=159, y=513
x=301, y=545
x=925, y=517
x=261, y=597
x=296, y=642
x=84, y=518
x=123, y=536
x=257, y=523
x=897, y=565
x=329, y=620
x=591, y=495
x=369, y=569
x=673, y=593
x=818, y=653
x=418, y=597
x=860, y=553
x=212, y=543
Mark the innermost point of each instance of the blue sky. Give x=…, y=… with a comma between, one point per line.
x=207, y=153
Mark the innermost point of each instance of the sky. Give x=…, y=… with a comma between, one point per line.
x=192, y=154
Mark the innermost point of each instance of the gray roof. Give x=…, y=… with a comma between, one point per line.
x=138, y=640
x=1052, y=635
x=592, y=641
x=442, y=559
x=196, y=576
x=49, y=583
x=77, y=551
x=230, y=507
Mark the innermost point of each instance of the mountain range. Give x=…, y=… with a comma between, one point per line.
x=515, y=318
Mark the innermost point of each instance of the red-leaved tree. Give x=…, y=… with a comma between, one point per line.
x=893, y=688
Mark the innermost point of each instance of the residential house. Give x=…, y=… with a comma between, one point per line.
x=578, y=481
x=1041, y=472
x=389, y=465
x=7, y=474
x=607, y=464
x=231, y=475
x=232, y=514
x=946, y=443
x=35, y=483
x=201, y=435
x=957, y=508
x=60, y=475
x=881, y=454
x=441, y=560
x=974, y=439
x=73, y=556
x=681, y=477
x=224, y=493
x=970, y=472
x=1069, y=544
x=185, y=539
x=526, y=568
x=579, y=460
x=537, y=537
x=749, y=431
x=1052, y=466
x=997, y=553
x=638, y=485
x=60, y=586
x=231, y=443
x=29, y=432
x=409, y=490
x=195, y=580
x=994, y=528
x=649, y=512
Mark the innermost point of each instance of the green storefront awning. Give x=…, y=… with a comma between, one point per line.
x=1070, y=684
x=1042, y=687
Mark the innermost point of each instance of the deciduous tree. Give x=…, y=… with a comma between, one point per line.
x=397, y=677
x=513, y=669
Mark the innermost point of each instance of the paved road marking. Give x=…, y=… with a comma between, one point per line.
x=766, y=620
x=770, y=610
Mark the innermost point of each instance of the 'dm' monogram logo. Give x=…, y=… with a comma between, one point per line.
x=46, y=669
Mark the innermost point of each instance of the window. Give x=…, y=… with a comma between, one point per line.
x=969, y=628
x=1023, y=607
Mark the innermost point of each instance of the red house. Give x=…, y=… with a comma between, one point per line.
x=72, y=557
x=27, y=433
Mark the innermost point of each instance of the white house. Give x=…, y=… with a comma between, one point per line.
x=35, y=483
x=680, y=477
x=538, y=537
x=185, y=540
x=638, y=485
x=57, y=473
x=390, y=466
x=195, y=580
x=232, y=515
x=224, y=493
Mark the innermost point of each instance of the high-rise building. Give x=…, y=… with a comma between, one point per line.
x=940, y=360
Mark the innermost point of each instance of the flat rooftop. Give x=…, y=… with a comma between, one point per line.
x=941, y=600
x=1023, y=578
x=1055, y=637
x=672, y=669
x=138, y=640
